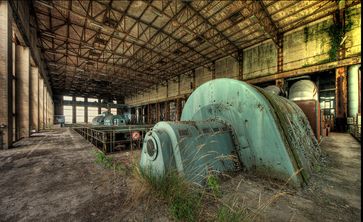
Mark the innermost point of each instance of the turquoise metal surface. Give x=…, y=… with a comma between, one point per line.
x=114, y=120
x=195, y=149
x=99, y=119
x=108, y=119
x=271, y=136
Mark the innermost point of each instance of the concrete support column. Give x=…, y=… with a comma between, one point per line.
x=48, y=108
x=44, y=107
x=22, y=70
x=34, y=98
x=50, y=115
x=41, y=103
x=49, y=103
x=6, y=73
x=52, y=112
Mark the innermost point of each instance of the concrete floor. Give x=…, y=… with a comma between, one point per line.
x=52, y=176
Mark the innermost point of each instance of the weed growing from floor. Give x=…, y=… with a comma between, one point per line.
x=213, y=185
x=108, y=162
x=184, y=199
x=226, y=214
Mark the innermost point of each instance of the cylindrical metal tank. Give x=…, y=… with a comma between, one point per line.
x=303, y=90
x=353, y=90
x=305, y=94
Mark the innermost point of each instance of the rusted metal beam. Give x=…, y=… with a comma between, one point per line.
x=145, y=47
x=307, y=70
x=157, y=28
x=240, y=64
x=213, y=27
x=115, y=65
x=341, y=98
x=85, y=43
x=161, y=31
x=280, y=52
x=265, y=20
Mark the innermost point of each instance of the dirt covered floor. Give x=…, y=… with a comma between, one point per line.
x=53, y=176
x=334, y=192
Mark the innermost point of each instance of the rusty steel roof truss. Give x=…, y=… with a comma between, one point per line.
x=117, y=48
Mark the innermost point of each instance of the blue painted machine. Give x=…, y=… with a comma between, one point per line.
x=114, y=120
x=227, y=125
x=108, y=119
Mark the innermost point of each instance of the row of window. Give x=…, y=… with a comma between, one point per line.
x=81, y=99
x=80, y=117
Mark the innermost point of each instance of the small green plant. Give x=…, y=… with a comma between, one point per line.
x=213, y=185
x=226, y=214
x=107, y=162
x=183, y=198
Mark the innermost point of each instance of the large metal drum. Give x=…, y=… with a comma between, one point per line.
x=303, y=90
x=230, y=120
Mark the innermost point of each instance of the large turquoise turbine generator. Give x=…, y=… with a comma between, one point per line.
x=228, y=125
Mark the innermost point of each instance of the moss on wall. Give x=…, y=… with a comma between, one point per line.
x=336, y=32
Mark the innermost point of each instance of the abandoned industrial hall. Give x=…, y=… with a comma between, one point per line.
x=180, y=110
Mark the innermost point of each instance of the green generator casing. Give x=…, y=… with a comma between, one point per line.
x=257, y=131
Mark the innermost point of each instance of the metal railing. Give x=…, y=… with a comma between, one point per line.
x=111, y=139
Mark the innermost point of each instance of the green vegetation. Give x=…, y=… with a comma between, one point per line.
x=108, y=162
x=213, y=185
x=226, y=214
x=336, y=32
x=306, y=34
x=183, y=198
x=185, y=201
x=188, y=202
